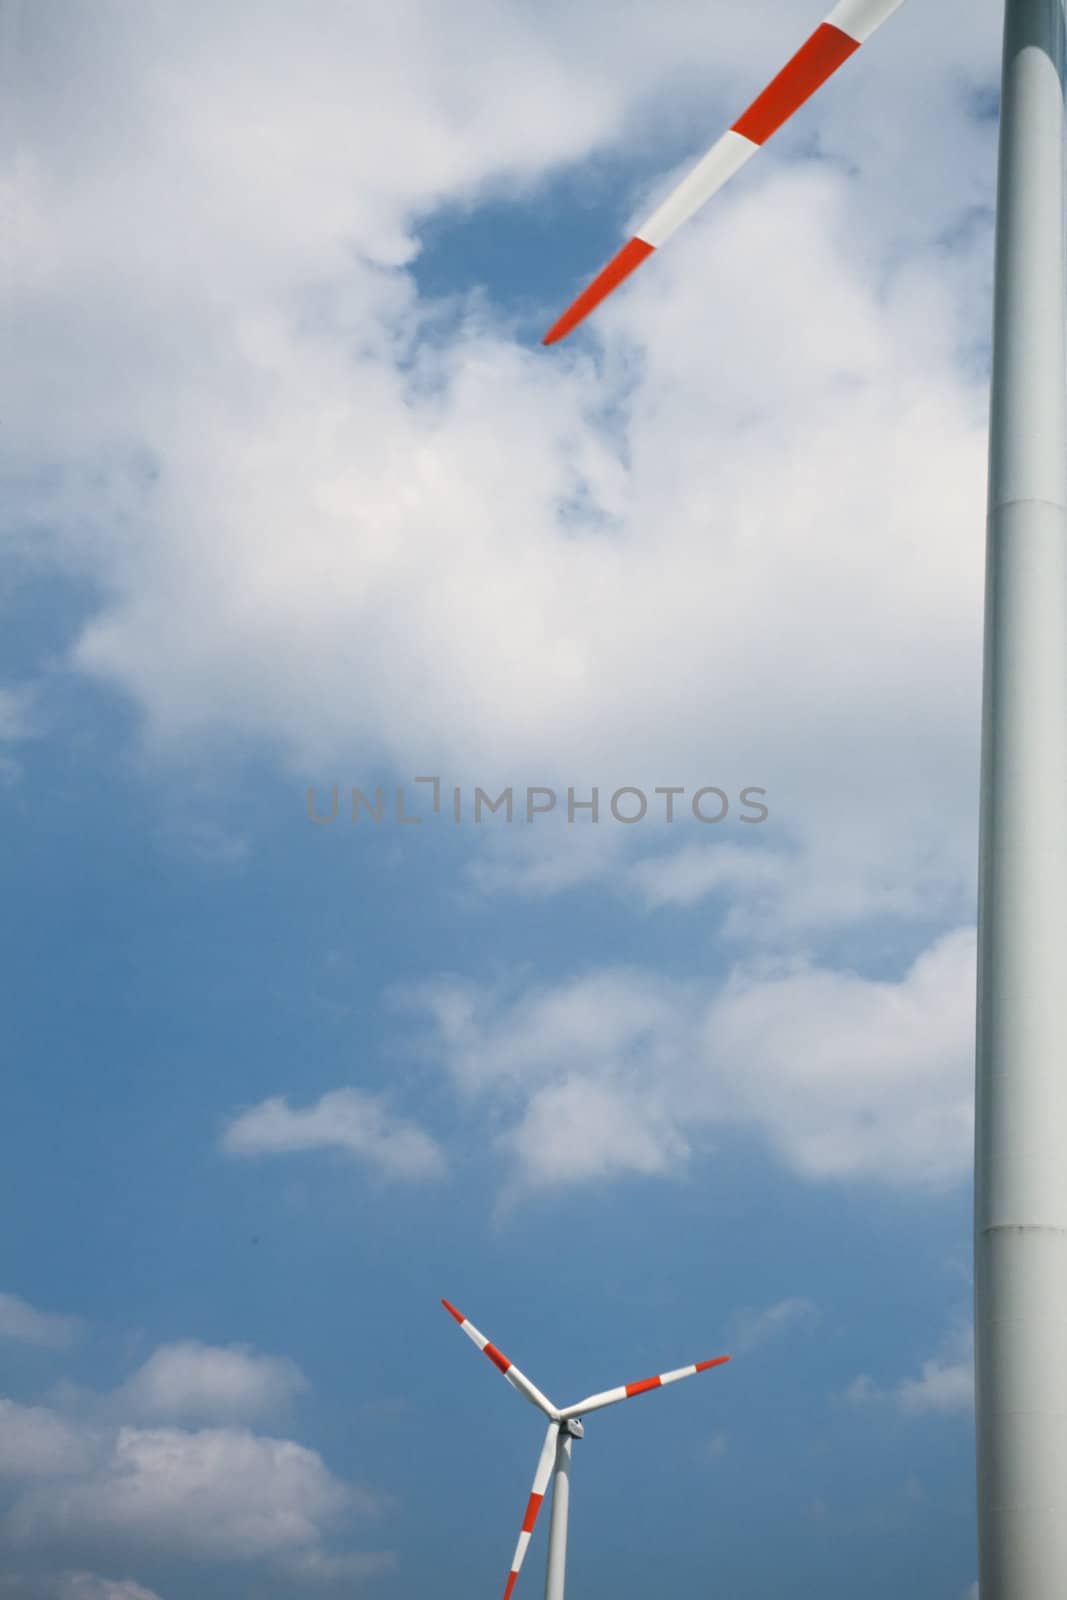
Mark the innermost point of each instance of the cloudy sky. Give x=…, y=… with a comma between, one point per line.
x=296, y=504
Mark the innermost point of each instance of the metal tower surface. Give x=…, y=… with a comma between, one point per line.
x=1021, y=1105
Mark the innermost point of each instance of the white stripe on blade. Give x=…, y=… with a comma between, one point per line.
x=727, y=156
x=859, y=18
x=672, y=1377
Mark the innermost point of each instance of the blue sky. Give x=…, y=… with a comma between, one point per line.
x=295, y=499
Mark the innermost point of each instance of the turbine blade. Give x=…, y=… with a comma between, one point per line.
x=595, y=1402
x=848, y=25
x=517, y=1379
x=545, y=1463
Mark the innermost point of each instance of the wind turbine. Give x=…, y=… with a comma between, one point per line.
x=554, y=1462
x=1020, y=1198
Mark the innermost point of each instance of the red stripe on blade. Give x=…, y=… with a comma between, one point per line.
x=702, y=1366
x=497, y=1357
x=532, y=1509
x=639, y=1388
x=630, y=256
x=814, y=62
x=509, y=1586
x=452, y=1310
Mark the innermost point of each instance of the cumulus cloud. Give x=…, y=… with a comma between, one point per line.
x=852, y=1076
x=16, y=712
x=227, y=1493
x=685, y=876
x=316, y=1566
x=87, y=1586
x=35, y=1442
x=75, y=1586
x=814, y=868
x=165, y=1467
x=751, y=498
x=192, y=1380
x=579, y=1129
x=844, y=875
x=945, y=1383
x=624, y=1071
x=19, y=1320
x=210, y=1494
x=349, y=1120
x=751, y=1327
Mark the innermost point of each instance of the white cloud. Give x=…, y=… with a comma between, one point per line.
x=212, y=1494
x=87, y=1586
x=751, y=1328
x=852, y=1076
x=346, y=1119
x=579, y=1129
x=747, y=527
x=945, y=1383
x=861, y=1390
x=192, y=1380
x=317, y=1567
x=623, y=1071
x=226, y=1493
x=683, y=877
x=19, y=1320
x=16, y=713
x=98, y=1475
x=75, y=1586
x=844, y=875
x=813, y=867
x=35, y=1442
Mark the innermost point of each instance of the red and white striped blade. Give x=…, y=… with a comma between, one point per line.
x=848, y=25
x=545, y=1463
x=610, y=1396
x=517, y=1379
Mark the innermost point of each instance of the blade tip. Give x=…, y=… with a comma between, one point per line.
x=450, y=1308
x=633, y=252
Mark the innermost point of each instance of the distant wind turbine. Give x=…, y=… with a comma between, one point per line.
x=1020, y=1216
x=554, y=1462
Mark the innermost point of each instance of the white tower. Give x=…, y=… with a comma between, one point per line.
x=1020, y=1245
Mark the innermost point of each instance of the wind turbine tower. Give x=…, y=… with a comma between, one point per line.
x=554, y=1463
